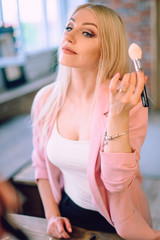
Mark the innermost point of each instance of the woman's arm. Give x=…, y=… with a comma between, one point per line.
x=50, y=206
x=120, y=163
x=120, y=157
x=121, y=102
x=57, y=226
x=116, y=125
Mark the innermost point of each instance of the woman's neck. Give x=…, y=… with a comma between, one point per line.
x=82, y=84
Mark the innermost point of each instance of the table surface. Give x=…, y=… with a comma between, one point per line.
x=35, y=228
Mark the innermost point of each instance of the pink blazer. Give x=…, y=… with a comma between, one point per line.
x=114, y=178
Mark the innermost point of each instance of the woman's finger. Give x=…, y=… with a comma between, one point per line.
x=140, y=84
x=114, y=83
x=125, y=82
x=53, y=231
x=61, y=230
x=68, y=225
x=132, y=84
x=52, y=228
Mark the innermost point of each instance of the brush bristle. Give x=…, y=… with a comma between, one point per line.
x=135, y=51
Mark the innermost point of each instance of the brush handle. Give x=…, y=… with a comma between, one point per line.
x=144, y=96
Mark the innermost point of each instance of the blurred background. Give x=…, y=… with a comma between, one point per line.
x=30, y=32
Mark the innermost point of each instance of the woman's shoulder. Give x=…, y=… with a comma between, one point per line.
x=41, y=97
x=43, y=94
x=45, y=91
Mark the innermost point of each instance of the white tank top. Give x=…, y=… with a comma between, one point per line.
x=71, y=157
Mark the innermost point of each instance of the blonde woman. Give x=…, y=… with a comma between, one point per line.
x=88, y=129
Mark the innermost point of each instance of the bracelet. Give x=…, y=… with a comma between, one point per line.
x=109, y=138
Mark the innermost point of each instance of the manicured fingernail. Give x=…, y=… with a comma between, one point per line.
x=117, y=74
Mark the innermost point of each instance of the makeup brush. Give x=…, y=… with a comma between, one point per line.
x=135, y=53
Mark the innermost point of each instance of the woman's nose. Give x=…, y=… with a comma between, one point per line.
x=70, y=37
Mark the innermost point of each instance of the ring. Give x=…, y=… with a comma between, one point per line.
x=121, y=90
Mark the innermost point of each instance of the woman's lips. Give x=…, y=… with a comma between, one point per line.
x=68, y=50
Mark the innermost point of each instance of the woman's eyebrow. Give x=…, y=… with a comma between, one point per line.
x=85, y=23
x=93, y=24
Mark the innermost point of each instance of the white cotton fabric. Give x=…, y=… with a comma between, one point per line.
x=71, y=157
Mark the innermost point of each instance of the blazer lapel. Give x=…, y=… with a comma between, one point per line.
x=97, y=132
x=99, y=122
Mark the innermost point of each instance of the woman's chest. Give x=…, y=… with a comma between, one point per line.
x=75, y=124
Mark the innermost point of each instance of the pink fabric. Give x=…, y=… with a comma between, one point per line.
x=114, y=178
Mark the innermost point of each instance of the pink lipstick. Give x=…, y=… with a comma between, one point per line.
x=68, y=50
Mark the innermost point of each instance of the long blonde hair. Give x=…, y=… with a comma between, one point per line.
x=113, y=58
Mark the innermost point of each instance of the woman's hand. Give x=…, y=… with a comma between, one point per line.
x=58, y=227
x=123, y=96
x=126, y=94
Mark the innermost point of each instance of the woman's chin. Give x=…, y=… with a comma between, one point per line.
x=67, y=64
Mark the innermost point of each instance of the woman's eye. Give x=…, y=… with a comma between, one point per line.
x=68, y=28
x=87, y=34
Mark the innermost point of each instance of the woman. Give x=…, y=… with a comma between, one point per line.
x=88, y=129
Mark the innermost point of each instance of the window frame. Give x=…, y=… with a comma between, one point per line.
x=63, y=8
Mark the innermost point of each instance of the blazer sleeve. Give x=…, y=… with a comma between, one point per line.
x=38, y=153
x=118, y=170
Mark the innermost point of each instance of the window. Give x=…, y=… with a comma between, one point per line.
x=30, y=27
x=53, y=26
x=10, y=14
x=73, y=4
x=32, y=24
x=37, y=24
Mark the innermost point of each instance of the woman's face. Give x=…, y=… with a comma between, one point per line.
x=80, y=46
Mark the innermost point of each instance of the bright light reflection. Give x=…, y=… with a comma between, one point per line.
x=10, y=12
x=30, y=10
x=52, y=11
